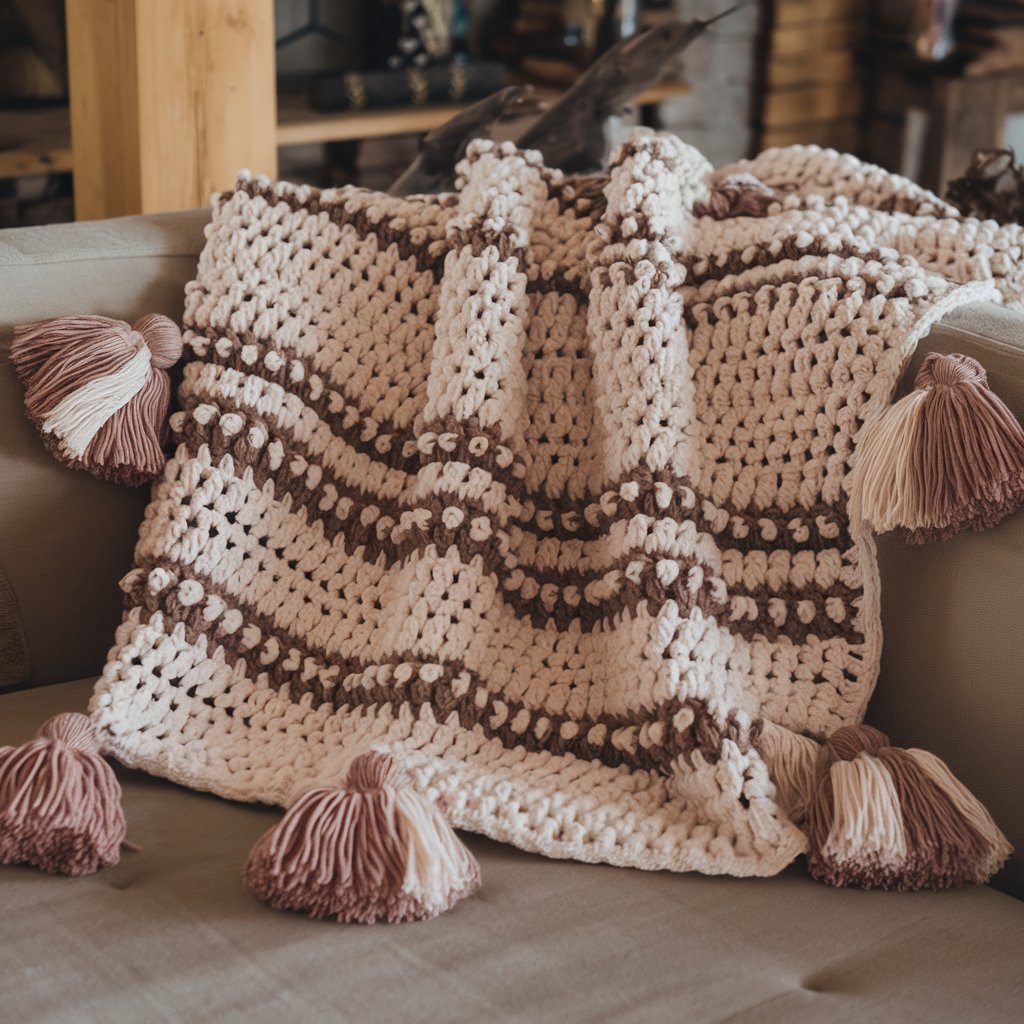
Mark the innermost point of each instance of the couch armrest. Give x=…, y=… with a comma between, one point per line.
x=953, y=613
x=65, y=537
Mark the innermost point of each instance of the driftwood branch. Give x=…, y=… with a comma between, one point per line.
x=571, y=133
x=444, y=147
x=992, y=188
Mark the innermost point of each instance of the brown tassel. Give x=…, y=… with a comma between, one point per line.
x=98, y=391
x=737, y=195
x=375, y=851
x=886, y=818
x=946, y=458
x=60, y=802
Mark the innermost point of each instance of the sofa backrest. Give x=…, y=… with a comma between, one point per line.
x=953, y=662
x=65, y=537
x=952, y=677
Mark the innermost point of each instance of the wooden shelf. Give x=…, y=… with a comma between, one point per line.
x=297, y=125
x=169, y=99
x=34, y=141
x=39, y=141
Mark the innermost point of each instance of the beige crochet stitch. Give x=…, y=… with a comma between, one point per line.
x=542, y=485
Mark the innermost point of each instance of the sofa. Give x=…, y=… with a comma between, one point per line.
x=170, y=933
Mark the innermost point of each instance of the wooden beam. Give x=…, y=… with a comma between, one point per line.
x=805, y=42
x=841, y=135
x=802, y=12
x=832, y=66
x=966, y=115
x=802, y=104
x=169, y=99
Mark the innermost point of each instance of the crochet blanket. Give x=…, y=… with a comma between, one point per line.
x=541, y=485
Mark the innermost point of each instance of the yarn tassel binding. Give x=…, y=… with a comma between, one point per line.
x=98, y=391
x=881, y=817
x=374, y=851
x=60, y=802
x=948, y=457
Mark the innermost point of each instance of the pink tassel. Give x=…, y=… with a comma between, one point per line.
x=375, y=851
x=946, y=458
x=738, y=195
x=60, y=802
x=881, y=817
x=98, y=391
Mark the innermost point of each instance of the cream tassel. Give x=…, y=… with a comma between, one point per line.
x=868, y=822
x=437, y=861
x=882, y=483
x=867, y=793
x=880, y=817
x=77, y=419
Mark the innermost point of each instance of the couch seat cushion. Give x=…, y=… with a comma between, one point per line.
x=170, y=934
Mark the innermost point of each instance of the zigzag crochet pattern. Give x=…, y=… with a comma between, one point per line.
x=541, y=487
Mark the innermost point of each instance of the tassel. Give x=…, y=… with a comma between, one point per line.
x=792, y=759
x=946, y=458
x=60, y=802
x=375, y=851
x=886, y=818
x=737, y=195
x=98, y=391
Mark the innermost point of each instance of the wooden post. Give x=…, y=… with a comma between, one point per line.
x=169, y=100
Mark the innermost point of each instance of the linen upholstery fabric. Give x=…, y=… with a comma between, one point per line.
x=65, y=537
x=170, y=934
x=15, y=662
x=540, y=483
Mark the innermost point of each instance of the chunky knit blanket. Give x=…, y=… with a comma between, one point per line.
x=540, y=485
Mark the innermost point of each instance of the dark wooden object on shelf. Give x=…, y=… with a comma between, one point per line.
x=929, y=120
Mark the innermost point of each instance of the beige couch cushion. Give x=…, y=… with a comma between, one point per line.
x=65, y=537
x=170, y=934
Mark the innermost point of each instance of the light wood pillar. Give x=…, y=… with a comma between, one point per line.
x=169, y=100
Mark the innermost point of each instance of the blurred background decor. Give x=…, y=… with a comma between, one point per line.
x=112, y=107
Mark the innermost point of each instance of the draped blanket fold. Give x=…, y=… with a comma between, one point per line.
x=541, y=485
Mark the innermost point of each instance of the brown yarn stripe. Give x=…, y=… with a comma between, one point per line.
x=715, y=267
x=195, y=435
x=465, y=431
x=346, y=211
x=589, y=616
x=781, y=276
x=703, y=734
x=429, y=260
